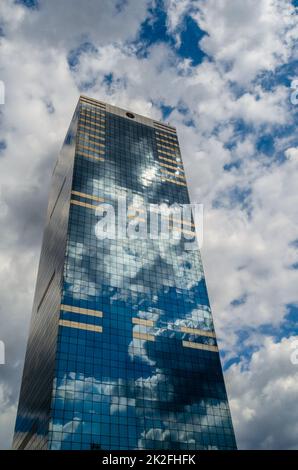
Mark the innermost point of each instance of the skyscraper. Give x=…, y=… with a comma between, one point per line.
x=122, y=352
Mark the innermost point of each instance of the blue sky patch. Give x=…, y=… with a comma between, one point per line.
x=287, y=328
x=190, y=37
x=245, y=350
x=294, y=265
x=108, y=79
x=33, y=4
x=282, y=75
x=230, y=362
x=233, y=165
x=240, y=131
x=74, y=55
x=153, y=30
x=265, y=144
x=166, y=111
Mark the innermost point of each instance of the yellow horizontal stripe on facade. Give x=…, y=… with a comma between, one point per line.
x=196, y=331
x=171, y=160
x=80, y=326
x=94, y=148
x=171, y=137
x=83, y=204
x=174, y=182
x=185, y=223
x=188, y=232
x=83, y=139
x=91, y=149
x=89, y=134
x=87, y=196
x=142, y=321
x=100, y=159
x=136, y=209
x=83, y=127
x=97, y=147
x=130, y=216
x=88, y=100
x=96, y=113
x=163, y=128
x=95, y=108
x=172, y=154
x=166, y=142
x=182, y=177
x=183, y=229
x=88, y=122
x=100, y=106
x=143, y=336
x=86, y=117
x=82, y=311
x=166, y=135
x=167, y=147
x=90, y=119
x=93, y=102
x=136, y=218
x=203, y=347
x=168, y=151
x=166, y=165
x=100, y=110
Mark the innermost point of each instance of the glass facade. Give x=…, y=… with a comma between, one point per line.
x=126, y=331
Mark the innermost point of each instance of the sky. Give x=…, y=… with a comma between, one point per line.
x=221, y=72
